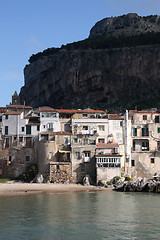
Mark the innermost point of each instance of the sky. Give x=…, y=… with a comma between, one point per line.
x=31, y=26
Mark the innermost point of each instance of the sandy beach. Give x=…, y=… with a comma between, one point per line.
x=33, y=188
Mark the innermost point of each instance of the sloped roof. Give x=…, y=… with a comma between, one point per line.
x=107, y=145
x=56, y=133
x=18, y=106
x=12, y=113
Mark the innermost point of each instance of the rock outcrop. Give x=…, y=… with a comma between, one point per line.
x=108, y=78
x=139, y=186
x=130, y=24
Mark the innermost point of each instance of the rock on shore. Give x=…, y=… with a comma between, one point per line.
x=143, y=185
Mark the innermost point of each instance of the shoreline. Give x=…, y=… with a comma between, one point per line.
x=10, y=189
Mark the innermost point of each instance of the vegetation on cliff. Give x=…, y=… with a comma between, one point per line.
x=104, y=42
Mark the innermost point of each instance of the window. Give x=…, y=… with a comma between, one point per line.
x=145, y=132
x=66, y=140
x=158, y=129
x=134, y=132
x=156, y=119
x=85, y=141
x=85, y=115
x=158, y=145
x=28, y=129
x=87, y=154
x=134, y=145
x=152, y=160
x=6, y=116
x=38, y=127
x=27, y=159
x=77, y=155
x=144, y=117
x=6, y=130
x=133, y=163
x=49, y=115
x=121, y=124
x=101, y=140
x=57, y=167
x=44, y=126
x=50, y=126
x=75, y=140
x=145, y=146
x=101, y=128
x=44, y=137
x=22, y=129
x=85, y=128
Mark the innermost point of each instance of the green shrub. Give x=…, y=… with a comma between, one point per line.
x=117, y=178
x=127, y=178
x=4, y=180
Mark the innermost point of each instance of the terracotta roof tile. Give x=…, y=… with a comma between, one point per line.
x=57, y=133
x=18, y=106
x=106, y=145
x=12, y=113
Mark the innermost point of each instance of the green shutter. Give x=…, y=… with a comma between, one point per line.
x=28, y=129
x=158, y=130
x=6, y=130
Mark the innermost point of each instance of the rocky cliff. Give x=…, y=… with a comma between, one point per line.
x=109, y=78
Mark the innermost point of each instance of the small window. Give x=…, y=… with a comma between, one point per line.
x=156, y=119
x=77, y=155
x=158, y=129
x=145, y=132
x=144, y=117
x=75, y=140
x=85, y=128
x=85, y=115
x=158, y=145
x=57, y=167
x=6, y=116
x=38, y=127
x=101, y=128
x=6, y=130
x=121, y=124
x=22, y=129
x=134, y=132
x=133, y=163
x=66, y=141
x=87, y=154
x=152, y=160
x=28, y=129
x=101, y=140
x=27, y=159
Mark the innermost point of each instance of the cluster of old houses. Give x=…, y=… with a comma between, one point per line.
x=71, y=144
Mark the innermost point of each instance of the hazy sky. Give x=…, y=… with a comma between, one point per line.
x=30, y=26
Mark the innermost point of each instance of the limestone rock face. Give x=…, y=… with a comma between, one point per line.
x=113, y=78
x=130, y=24
x=120, y=78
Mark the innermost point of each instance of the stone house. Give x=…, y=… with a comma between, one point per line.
x=145, y=148
x=108, y=161
x=54, y=155
x=19, y=141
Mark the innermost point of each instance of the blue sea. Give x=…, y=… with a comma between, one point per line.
x=78, y=216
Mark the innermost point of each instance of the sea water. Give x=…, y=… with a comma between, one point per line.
x=78, y=216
